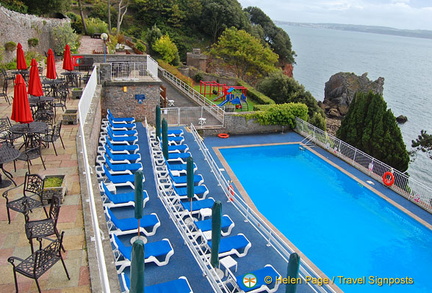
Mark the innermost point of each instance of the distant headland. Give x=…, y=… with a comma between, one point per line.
x=425, y=34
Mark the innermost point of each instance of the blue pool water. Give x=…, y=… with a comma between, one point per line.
x=340, y=225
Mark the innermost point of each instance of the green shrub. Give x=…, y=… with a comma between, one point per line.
x=10, y=46
x=255, y=95
x=95, y=25
x=174, y=71
x=281, y=114
x=63, y=35
x=33, y=42
x=141, y=46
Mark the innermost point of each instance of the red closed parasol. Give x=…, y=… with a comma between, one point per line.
x=21, y=111
x=35, y=85
x=67, y=59
x=51, y=66
x=21, y=62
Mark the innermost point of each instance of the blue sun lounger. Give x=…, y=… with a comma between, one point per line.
x=125, y=139
x=122, y=157
x=178, y=148
x=131, y=148
x=122, y=179
x=120, y=199
x=123, y=167
x=181, y=181
x=175, y=140
x=148, y=223
x=122, y=132
x=262, y=284
x=158, y=252
x=180, y=285
x=226, y=225
x=237, y=244
x=197, y=205
x=200, y=191
x=114, y=119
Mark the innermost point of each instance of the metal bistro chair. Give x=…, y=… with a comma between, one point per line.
x=5, y=133
x=52, y=135
x=39, y=262
x=4, y=92
x=44, y=227
x=30, y=197
x=34, y=152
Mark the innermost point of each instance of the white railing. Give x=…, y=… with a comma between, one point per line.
x=210, y=107
x=133, y=71
x=152, y=67
x=180, y=217
x=272, y=238
x=409, y=188
x=83, y=109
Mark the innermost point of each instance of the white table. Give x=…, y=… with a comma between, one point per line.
x=207, y=212
x=171, y=103
x=202, y=121
x=228, y=262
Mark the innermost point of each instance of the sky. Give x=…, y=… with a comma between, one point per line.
x=402, y=14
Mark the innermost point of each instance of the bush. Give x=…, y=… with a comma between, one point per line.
x=63, y=35
x=33, y=42
x=174, y=71
x=140, y=46
x=95, y=25
x=255, y=95
x=281, y=114
x=10, y=46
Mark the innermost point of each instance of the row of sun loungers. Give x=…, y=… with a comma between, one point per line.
x=117, y=161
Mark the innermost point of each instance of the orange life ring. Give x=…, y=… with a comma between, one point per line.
x=231, y=191
x=223, y=135
x=388, y=178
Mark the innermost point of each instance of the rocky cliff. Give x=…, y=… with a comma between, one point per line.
x=340, y=90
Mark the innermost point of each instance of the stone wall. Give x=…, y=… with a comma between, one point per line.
x=124, y=104
x=19, y=28
x=237, y=124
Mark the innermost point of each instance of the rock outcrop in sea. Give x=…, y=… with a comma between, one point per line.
x=340, y=90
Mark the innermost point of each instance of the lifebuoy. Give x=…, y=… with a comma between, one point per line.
x=231, y=191
x=223, y=135
x=388, y=178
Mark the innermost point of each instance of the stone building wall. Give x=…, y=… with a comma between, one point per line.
x=124, y=104
x=19, y=28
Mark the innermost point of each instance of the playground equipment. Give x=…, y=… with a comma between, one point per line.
x=207, y=88
x=235, y=95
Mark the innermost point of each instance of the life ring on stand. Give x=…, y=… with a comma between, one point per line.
x=223, y=135
x=388, y=178
x=231, y=191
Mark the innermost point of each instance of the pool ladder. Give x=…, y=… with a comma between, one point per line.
x=307, y=141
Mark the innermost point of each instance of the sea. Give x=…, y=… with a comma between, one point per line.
x=404, y=62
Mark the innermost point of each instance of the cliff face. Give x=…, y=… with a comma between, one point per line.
x=340, y=90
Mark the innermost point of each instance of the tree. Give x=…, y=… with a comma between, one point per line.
x=423, y=143
x=372, y=128
x=218, y=15
x=276, y=37
x=167, y=50
x=44, y=7
x=284, y=89
x=244, y=53
x=122, y=9
x=82, y=17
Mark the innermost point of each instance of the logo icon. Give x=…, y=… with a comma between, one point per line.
x=249, y=280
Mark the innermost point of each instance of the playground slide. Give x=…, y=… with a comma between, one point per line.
x=218, y=97
x=223, y=103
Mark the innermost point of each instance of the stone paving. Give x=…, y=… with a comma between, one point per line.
x=13, y=241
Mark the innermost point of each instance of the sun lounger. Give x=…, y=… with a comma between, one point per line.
x=181, y=285
x=125, y=178
x=197, y=205
x=119, y=132
x=178, y=148
x=175, y=140
x=120, y=199
x=181, y=181
x=117, y=126
x=148, y=223
x=237, y=244
x=114, y=119
x=262, y=276
x=200, y=192
x=129, y=139
x=128, y=158
x=125, y=147
x=117, y=167
x=158, y=252
x=227, y=225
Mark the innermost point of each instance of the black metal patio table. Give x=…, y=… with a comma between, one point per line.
x=7, y=154
x=30, y=131
x=72, y=78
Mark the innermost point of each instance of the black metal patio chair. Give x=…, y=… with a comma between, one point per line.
x=53, y=135
x=28, y=199
x=39, y=262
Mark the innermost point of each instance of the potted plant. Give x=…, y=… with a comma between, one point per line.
x=53, y=184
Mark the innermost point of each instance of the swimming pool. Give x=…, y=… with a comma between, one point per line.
x=340, y=225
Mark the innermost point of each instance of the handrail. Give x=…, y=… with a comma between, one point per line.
x=211, y=107
x=409, y=188
x=83, y=108
x=281, y=247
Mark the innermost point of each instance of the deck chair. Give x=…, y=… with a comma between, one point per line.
x=197, y=205
x=149, y=224
x=180, y=285
x=120, y=179
x=158, y=252
x=175, y=140
x=236, y=244
x=117, y=167
x=178, y=148
x=262, y=276
x=200, y=192
x=180, y=181
x=119, y=132
x=114, y=119
x=39, y=262
x=129, y=138
x=120, y=199
x=115, y=148
x=125, y=157
x=227, y=225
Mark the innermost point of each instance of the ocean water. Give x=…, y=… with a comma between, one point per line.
x=405, y=63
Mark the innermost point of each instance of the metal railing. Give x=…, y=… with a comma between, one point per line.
x=133, y=71
x=83, y=109
x=210, y=107
x=184, y=115
x=152, y=67
x=409, y=188
x=272, y=238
